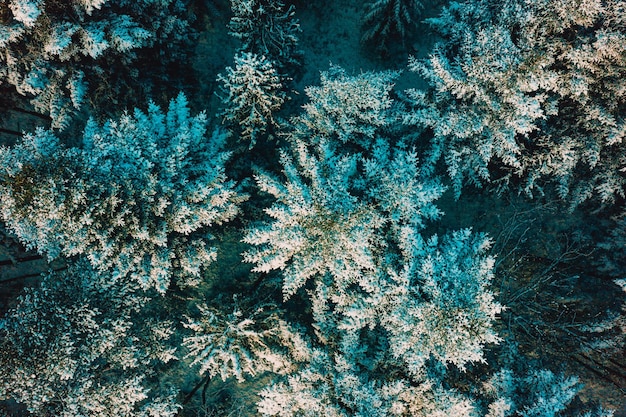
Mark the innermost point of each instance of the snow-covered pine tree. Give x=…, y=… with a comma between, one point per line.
x=513, y=99
x=52, y=50
x=77, y=345
x=320, y=227
x=243, y=343
x=444, y=307
x=137, y=198
x=252, y=93
x=347, y=108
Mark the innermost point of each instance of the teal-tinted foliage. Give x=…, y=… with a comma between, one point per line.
x=343, y=290
x=252, y=93
x=77, y=345
x=136, y=198
x=514, y=100
x=389, y=21
x=352, y=109
x=48, y=46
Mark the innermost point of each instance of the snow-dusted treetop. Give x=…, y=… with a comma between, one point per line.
x=136, y=198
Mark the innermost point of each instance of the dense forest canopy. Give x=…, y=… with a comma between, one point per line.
x=283, y=208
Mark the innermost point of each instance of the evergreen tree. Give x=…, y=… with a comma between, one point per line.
x=76, y=345
x=386, y=21
x=136, y=198
x=248, y=341
x=320, y=227
x=253, y=92
x=353, y=109
x=514, y=99
x=51, y=50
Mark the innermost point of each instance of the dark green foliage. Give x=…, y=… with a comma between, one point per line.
x=387, y=21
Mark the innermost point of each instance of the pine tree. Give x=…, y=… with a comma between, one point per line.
x=52, y=50
x=353, y=109
x=243, y=343
x=76, y=345
x=513, y=100
x=136, y=198
x=253, y=93
x=387, y=20
x=320, y=227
